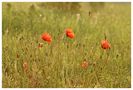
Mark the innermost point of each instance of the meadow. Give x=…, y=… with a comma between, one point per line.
x=78, y=62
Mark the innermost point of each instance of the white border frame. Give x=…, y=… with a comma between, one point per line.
x=66, y=0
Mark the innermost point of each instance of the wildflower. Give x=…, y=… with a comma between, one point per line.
x=69, y=33
x=105, y=44
x=46, y=37
x=84, y=64
x=40, y=15
x=25, y=66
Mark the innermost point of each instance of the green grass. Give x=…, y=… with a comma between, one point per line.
x=59, y=64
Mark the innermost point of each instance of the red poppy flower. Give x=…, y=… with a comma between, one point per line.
x=69, y=30
x=105, y=44
x=69, y=33
x=84, y=64
x=46, y=37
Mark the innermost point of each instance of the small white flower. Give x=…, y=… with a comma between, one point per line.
x=40, y=15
